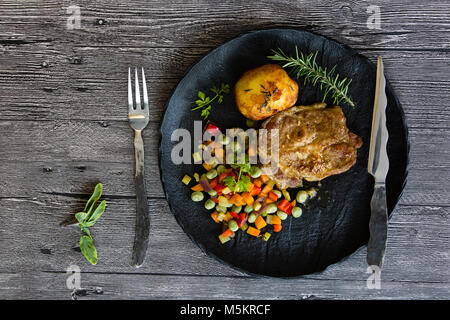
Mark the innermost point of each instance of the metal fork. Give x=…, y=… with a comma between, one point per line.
x=138, y=118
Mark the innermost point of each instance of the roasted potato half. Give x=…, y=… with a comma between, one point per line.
x=264, y=91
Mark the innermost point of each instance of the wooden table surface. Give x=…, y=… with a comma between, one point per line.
x=63, y=127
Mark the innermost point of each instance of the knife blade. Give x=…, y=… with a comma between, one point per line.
x=378, y=167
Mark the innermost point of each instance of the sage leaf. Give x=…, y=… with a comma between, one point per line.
x=88, y=249
x=85, y=230
x=93, y=199
x=81, y=217
x=96, y=214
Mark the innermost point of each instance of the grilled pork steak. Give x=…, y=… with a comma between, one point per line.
x=314, y=143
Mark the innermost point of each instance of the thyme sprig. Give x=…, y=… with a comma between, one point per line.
x=306, y=66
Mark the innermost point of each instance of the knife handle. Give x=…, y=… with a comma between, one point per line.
x=142, y=212
x=377, y=226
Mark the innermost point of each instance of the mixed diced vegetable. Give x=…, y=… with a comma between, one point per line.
x=241, y=198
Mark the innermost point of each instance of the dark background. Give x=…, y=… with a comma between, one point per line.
x=63, y=128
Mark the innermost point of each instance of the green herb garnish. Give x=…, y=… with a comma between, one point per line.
x=87, y=219
x=242, y=182
x=205, y=103
x=306, y=66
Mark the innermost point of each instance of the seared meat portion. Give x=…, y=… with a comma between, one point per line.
x=314, y=143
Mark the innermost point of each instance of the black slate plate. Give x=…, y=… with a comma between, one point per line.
x=335, y=223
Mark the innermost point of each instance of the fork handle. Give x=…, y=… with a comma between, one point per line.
x=142, y=212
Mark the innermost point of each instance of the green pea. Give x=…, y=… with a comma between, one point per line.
x=220, y=208
x=250, y=123
x=251, y=218
x=209, y=204
x=296, y=212
x=264, y=214
x=302, y=196
x=227, y=205
x=255, y=172
x=220, y=169
x=271, y=208
x=211, y=174
x=248, y=209
x=236, y=209
x=197, y=196
x=212, y=193
x=282, y=215
x=233, y=225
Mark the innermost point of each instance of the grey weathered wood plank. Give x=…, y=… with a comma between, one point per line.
x=420, y=24
x=44, y=285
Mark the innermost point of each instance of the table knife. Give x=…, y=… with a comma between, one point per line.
x=378, y=167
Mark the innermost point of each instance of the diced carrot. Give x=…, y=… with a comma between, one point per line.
x=214, y=216
x=236, y=199
x=277, y=227
x=227, y=233
x=216, y=145
x=260, y=223
x=255, y=191
x=219, y=154
x=252, y=150
x=250, y=187
x=222, y=176
x=273, y=196
x=248, y=198
x=275, y=219
x=215, y=200
x=258, y=182
x=197, y=187
x=264, y=178
x=270, y=183
x=268, y=201
x=293, y=203
x=267, y=188
x=213, y=183
x=228, y=217
x=253, y=231
x=207, y=166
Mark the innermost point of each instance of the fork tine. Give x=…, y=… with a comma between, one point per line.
x=136, y=90
x=130, y=93
x=144, y=91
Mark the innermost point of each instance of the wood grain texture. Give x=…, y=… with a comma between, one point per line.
x=63, y=128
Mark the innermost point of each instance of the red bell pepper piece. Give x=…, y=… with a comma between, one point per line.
x=285, y=206
x=242, y=219
x=212, y=129
x=219, y=188
x=235, y=215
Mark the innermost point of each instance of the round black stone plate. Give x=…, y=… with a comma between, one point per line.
x=335, y=223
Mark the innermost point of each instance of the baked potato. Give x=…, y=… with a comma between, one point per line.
x=264, y=91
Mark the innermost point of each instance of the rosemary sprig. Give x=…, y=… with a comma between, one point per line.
x=205, y=103
x=306, y=66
